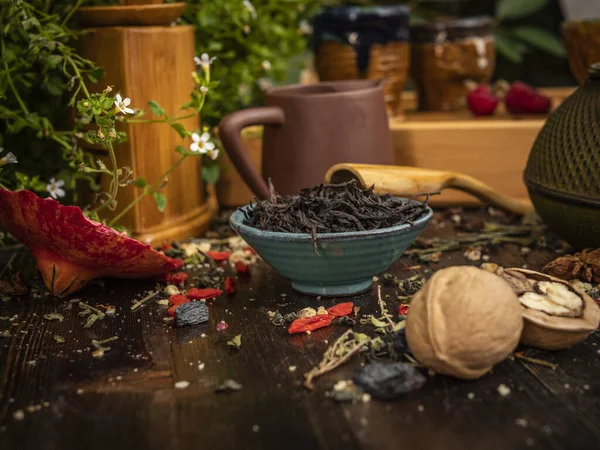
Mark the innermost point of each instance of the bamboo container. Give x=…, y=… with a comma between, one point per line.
x=151, y=62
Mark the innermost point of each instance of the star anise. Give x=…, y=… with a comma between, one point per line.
x=584, y=265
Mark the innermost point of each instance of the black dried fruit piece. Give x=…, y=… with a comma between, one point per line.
x=388, y=381
x=191, y=313
x=398, y=341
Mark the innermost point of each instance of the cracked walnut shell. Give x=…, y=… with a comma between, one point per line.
x=463, y=322
x=557, y=315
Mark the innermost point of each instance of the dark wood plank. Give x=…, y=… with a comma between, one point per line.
x=127, y=399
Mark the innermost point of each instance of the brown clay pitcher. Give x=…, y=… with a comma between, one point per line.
x=309, y=128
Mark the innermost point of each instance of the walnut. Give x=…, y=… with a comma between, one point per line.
x=584, y=266
x=463, y=321
x=556, y=314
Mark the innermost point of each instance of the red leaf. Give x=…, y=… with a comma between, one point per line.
x=202, y=294
x=402, y=309
x=241, y=267
x=219, y=256
x=310, y=323
x=230, y=286
x=70, y=249
x=341, y=309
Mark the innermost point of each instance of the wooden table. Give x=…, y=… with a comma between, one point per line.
x=127, y=399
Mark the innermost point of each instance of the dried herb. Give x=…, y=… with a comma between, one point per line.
x=54, y=316
x=139, y=303
x=85, y=306
x=91, y=320
x=59, y=339
x=537, y=361
x=331, y=209
x=236, y=342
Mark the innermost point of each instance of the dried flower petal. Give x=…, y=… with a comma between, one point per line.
x=70, y=249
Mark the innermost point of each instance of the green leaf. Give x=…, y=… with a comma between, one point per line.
x=541, y=39
x=156, y=108
x=53, y=60
x=507, y=48
x=211, y=173
x=515, y=9
x=180, y=149
x=161, y=201
x=180, y=129
x=140, y=182
x=236, y=342
x=95, y=74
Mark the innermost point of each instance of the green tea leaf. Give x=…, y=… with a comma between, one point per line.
x=515, y=9
x=180, y=129
x=211, y=173
x=161, y=201
x=378, y=323
x=541, y=39
x=156, y=108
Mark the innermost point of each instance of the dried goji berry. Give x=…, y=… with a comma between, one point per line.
x=176, y=278
x=402, y=309
x=230, y=286
x=341, y=309
x=178, y=299
x=242, y=267
x=202, y=294
x=219, y=256
x=310, y=323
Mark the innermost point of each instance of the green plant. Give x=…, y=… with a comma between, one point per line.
x=40, y=74
x=253, y=41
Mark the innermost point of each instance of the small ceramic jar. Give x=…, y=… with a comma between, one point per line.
x=353, y=42
x=445, y=54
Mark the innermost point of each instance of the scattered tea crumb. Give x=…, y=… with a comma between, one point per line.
x=182, y=384
x=503, y=390
x=19, y=414
x=471, y=395
x=79, y=391
x=54, y=316
x=59, y=339
x=139, y=303
x=163, y=302
x=521, y=422
x=255, y=428
x=228, y=386
x=292, y=368
x=236, y=342
x=201, y=366
x=420, y=408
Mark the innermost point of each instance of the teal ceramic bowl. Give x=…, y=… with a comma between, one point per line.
x=347, y=261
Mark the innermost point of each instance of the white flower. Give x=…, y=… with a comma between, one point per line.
x=214, y=153
x=9, y=158
x=201, y=143
x=305, y=28
x=122, y=105
x=250, y=7
x=266, y=65
x=55, y=188
x=264, y=83
x=205, y=61
x=203, y=89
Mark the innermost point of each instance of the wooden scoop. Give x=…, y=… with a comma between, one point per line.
x=406, y=181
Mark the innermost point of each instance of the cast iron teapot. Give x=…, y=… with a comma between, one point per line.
x=563, y=169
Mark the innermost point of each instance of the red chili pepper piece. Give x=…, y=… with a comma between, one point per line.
x=176, y=278
x=310, y=323
x=341, y=309
x=241, y=267
x=219, y=256
x=230, y=286
x=202, y=294
x=402, y=309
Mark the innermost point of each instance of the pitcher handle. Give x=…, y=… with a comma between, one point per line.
x=230, y=129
